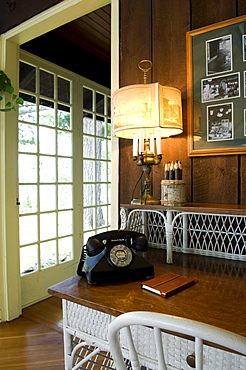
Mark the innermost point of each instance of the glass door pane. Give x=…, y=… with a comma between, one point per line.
x=45, y=169
x=96, y=163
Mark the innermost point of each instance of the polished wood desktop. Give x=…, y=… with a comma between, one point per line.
x=218, y=298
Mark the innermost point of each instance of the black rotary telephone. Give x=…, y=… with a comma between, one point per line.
x=113, y=256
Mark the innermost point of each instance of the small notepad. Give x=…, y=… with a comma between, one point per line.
x=168, y=284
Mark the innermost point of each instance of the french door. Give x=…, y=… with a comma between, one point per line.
x=64, y=169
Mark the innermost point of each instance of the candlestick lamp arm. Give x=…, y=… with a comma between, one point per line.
x=149, y=160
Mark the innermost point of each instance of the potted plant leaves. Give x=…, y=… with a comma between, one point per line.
x=7, y=90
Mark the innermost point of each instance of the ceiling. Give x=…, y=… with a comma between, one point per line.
x=81, y=46
x=90, y=32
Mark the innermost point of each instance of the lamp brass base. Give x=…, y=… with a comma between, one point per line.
x=146, y=199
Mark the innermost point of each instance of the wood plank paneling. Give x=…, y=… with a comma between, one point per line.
x=135, y=39
x=216, y=179
x=129, y=172
x=242, y=180
x=135, y=45
x=208, y=12
x=169, y=68
x=241, y=7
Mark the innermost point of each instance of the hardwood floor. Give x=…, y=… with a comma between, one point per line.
x=34, y=340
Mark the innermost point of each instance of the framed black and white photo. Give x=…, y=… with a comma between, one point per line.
x=220, y=87
x=244, y=83
x=216, y=60
x=244, y=47
x=219, y=55
x=220, y=122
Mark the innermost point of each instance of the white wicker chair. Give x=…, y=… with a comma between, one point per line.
x=158, y=353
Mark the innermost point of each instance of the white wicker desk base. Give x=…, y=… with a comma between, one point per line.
x=85, y=331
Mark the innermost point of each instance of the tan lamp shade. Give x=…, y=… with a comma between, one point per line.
x=146, y=108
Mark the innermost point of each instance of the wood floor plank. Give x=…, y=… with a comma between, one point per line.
x=34, y=340
x=48, y=311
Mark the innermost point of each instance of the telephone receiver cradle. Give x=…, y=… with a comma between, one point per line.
x=115, y=256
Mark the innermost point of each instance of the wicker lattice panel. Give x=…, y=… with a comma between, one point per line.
x=89, y=328
x=151, y=223
x=221, y=236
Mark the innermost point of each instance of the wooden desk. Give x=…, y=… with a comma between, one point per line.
x=219, y=297
x=201, y=228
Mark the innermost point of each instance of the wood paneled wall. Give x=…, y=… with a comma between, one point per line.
x=156, y=30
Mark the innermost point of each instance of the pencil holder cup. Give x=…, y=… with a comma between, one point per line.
x=173, y=193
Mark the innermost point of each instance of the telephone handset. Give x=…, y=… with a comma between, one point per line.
x=113, y=255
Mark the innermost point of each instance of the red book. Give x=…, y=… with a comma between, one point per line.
x=168, y=284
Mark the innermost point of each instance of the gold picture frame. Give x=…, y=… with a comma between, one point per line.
x=216, y=88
